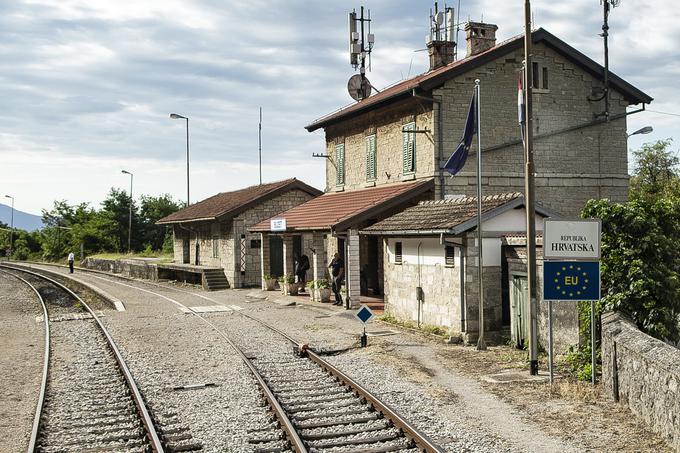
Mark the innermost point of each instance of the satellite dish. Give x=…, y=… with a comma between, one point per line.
x=359, y=87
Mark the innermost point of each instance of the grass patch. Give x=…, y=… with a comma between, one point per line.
x=426, y=328
x=162, y=257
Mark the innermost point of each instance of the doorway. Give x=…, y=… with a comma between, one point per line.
x=275, y=256
x=519, y=310
x=186, y=254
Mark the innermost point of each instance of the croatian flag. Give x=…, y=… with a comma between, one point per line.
x=459, y=156
x=521, y=112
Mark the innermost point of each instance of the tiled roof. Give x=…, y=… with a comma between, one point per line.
x=442, y=215
x=437, y=77
x=231, y=203
x=332, y=210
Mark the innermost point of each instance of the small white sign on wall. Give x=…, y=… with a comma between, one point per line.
x=278, y=224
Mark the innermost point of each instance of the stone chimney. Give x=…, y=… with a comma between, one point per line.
x=441, y=53
x=479, y=37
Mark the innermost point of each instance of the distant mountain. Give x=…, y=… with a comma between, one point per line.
x=22, y=220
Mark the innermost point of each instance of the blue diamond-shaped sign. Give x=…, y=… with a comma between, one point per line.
x=364, y=314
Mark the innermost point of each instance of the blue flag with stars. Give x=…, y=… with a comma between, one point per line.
x=459, y=156
x=571, y=280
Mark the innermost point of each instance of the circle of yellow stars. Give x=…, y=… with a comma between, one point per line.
x=578, y=269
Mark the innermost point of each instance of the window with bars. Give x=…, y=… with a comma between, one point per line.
x=370, y=158
x=340, y=163
x=450, y=255
x=243, y=254
x=397, y=253
x=409, y=147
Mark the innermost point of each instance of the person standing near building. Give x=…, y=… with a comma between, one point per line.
x=71, y=258
x=301, y=267
x=337, y=267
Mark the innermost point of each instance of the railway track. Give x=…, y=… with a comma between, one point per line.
x=88, y=399
x=316, y=407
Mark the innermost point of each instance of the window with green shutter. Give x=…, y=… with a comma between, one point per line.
x=370, y=158
x=409, y=148
x=340, y=163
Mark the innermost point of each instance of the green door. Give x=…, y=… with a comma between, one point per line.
x=519, y=310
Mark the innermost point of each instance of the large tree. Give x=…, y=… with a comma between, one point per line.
x=153, y=209
x=656, y=172
x=116, y=209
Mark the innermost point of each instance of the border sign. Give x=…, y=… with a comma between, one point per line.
x=571, y=239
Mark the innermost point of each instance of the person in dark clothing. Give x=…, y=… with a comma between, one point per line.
x=337, y=267
x=70, y=258
x=301, y=267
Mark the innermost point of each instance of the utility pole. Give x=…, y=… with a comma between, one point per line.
x=529, y=192
x=259, y=143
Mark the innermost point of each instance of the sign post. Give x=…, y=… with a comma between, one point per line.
x=571, y=271
x=364, y=314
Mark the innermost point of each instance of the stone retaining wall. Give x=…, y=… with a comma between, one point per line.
x=642, y=373
x=127, y=268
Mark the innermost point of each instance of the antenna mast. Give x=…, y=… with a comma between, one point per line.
x=259, y=143
x=360, y=47
x=606, y=4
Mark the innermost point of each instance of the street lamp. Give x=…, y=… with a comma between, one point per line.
x=130, y=216
x=175, y=116
x=644, y=130
x=11, y=228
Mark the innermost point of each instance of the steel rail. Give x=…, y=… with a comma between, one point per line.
x=149, y=427
x=419, y=438
x=296, y=442
x=46, y=365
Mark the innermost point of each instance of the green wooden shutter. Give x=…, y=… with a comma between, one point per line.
x=340, y=162
x=409, y=148
x=370, y=158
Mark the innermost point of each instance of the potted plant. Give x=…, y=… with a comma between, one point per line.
x=270, y=282
x=288, y=285
x=323, y=289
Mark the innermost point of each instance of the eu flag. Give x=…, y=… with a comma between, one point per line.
x=459, y=156
x=571, y=280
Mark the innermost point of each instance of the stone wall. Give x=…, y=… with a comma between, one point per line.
x=227, y=235
x=440, y=283
x=387, y=127
x=590, y=162
x=127, y=268
x=642, y=373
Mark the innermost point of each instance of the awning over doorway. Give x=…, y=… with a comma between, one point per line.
x=339, y=210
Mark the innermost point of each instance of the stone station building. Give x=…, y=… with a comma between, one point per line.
x=213, y=233
x=433, y=246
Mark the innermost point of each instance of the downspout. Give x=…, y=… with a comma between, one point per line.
x=440, y=138
x=420, y=288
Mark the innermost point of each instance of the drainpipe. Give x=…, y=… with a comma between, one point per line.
x=419, y=289
x=440, y=138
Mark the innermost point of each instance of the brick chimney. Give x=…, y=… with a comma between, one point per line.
x=441, y=53
x=479, y=37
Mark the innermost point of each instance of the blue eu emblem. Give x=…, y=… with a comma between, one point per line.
x=571, y=280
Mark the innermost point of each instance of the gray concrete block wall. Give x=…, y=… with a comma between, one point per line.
x=642, y=373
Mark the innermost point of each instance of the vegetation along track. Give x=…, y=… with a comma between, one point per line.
x=88, y=399
x=317, y=407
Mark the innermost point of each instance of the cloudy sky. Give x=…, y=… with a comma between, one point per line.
x=87, y=86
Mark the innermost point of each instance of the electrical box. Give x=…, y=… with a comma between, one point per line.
x=419, y=294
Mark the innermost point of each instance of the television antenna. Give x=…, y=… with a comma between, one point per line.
x=361, y=42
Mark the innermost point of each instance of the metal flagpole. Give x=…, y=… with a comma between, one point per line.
x=529, y=192
x=481, y=344
x=259, y=143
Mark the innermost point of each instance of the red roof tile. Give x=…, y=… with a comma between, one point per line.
x=331, y=210
x=230, y=203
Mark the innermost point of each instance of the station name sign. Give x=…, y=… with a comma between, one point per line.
x=277, y=224
x=571, y=239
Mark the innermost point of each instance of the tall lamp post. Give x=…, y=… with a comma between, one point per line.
x=130, y=216
x=11, y=229
x=175, y=116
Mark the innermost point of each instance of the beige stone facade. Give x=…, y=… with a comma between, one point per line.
x=228, y=244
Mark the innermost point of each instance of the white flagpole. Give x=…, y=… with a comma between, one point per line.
x=481, y=344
